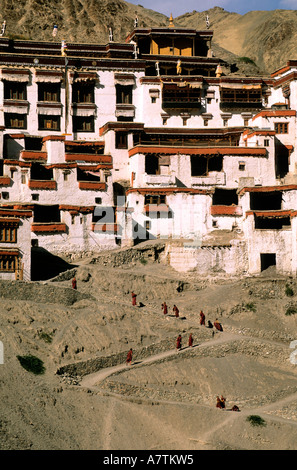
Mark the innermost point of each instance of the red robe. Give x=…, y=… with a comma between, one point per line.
x=74, y=283
x=129, y=356
x=164, y=307
x=134, y=298
x=178, y=342
x=217, y=325
x=176, y=311
x=219, y=403
x=202, y=318
x=190, y=340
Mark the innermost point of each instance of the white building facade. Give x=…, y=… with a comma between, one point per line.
x=110, y=145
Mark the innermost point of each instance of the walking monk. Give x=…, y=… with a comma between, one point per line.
x=164, y=308
x=217, y=325
x=129, y=357
x=202, y=318
x=176, y=311
x=134, y=298
x=190, y=340
x=178, y=342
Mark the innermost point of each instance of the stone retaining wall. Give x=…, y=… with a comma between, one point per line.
x=32, y=291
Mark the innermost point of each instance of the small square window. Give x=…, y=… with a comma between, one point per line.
x=5, y=195
x=154, y=99
x=241, y=166
x=35, y=197
x=266, y=142
x=34, y=242
x=147, y=225
x=205, y=122
x=214, y=223
x=98, y=200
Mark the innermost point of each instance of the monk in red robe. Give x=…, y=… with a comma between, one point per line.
x=178, y=342
x=223, y=401
x=134, y=298
x=74, y=285
x=176, y=311
x=164, y=308
x=190, y=340
x=202, y=318
x=219, y=403
x=129, y=356
x=217, y=325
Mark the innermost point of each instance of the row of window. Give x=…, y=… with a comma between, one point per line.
x=48, y=122
x=50, y=92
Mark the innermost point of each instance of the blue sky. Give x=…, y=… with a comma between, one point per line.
x=179, y=7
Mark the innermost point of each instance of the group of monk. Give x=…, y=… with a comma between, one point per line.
x=164, y=307
x=221, y=403
x=216, y=323
x=179, y=342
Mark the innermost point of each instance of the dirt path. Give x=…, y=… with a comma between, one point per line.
x=91, y=381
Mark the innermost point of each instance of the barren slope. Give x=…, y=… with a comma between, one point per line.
x=267, y=37
x=89, y=399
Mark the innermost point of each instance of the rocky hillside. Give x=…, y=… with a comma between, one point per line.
x=64, y=383
x=77, y=20
x=266, y=37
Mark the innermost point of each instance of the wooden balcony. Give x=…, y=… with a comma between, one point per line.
x=92, y=185
x=226, y=210
x=176, y=96
x=33, y=155
x=152, y=209
x=105, y=227
x=42, y=184
x=88, y=157
x=48, y=227
x=5, y=181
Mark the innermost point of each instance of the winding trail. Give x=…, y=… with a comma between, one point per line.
x=92, y=381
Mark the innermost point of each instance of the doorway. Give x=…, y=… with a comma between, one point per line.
x=267, y=260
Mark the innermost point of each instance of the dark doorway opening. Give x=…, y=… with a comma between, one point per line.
x=225, y=197
x=282, y=157
x=33, y=143
x=267, y=260
x=152, y=165
x=277, y=223
x=46, y=213
x=271, y=200
x=201, y=166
